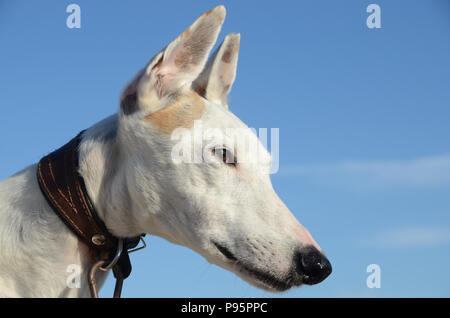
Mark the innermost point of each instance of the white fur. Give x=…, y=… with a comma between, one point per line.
x=136, y=188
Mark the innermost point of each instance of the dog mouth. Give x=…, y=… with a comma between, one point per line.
x=259, y=278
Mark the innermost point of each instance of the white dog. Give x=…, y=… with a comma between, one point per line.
x=225, y=209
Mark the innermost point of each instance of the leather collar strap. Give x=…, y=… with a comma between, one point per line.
x=65, y=191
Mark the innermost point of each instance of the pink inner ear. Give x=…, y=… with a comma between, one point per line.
x=170, y=71
x=176, y=61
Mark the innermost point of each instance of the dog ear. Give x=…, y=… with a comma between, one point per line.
x=215, y=81
x=177, y=65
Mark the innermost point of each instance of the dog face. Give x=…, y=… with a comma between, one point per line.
x=190, y=177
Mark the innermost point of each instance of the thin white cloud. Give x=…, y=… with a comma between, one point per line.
x=425, y=171
x=413, y=237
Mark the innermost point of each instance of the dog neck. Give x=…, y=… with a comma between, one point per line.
x=102, y=164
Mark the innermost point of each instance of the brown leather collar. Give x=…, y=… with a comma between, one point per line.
x=65, y=191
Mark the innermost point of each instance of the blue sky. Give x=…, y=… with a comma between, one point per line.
x=363, y=117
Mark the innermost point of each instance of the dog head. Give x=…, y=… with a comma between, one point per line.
x=196, y=175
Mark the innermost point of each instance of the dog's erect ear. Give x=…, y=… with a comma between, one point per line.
x=178, y=64
x=215, y=81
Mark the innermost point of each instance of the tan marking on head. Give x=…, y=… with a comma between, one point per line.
x=182, y=112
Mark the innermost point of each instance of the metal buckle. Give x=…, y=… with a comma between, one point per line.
x=116, y=257
x=103, y=266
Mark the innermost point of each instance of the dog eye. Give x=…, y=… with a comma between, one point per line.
x=225, y=155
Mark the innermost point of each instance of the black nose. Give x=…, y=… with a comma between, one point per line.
x=312, y=265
